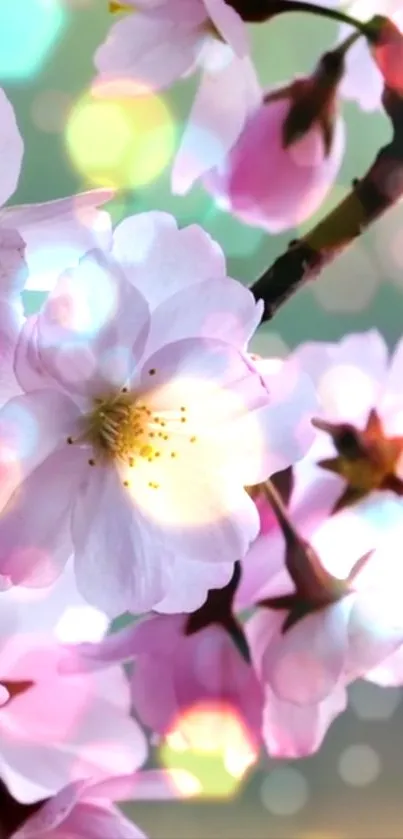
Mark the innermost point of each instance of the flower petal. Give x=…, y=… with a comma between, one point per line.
x=162, y=260
x=122, y=561
x=57, y=233
x=212, y=129
x=216, y=308
x=11, y=149
x=92, y=327
x=191, y=583
x=348, y=375
x=35, y=541
x=294, y=731
x=304, y=665
x=154, y=51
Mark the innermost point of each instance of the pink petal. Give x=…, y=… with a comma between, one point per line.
x=162, y=260
x=229, y=24
x=117, y=647
x=389, y=673
x=92, y=327
x=31, y=427
x=212, y=129
x=304, y=665
x=57, y=233
x=375, y=632
x=145, y=785
x=217, y=308
x=13, y=266
x=11, y=321
x=153, y=51
x=122, y=561
x=53, y=812
x=89, y=821
x=191, y=583
x=295, y=731
x=29, y=369
x=348, y=375
x=35, y=541
x=12, y=149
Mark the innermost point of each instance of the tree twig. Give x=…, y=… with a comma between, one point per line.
x=369, y=198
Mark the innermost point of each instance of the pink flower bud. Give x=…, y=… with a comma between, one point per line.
x=287, y=156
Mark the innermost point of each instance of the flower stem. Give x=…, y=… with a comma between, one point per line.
x=322, y=11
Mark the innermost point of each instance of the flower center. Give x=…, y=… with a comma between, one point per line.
x=121, y=428
x=118, y=428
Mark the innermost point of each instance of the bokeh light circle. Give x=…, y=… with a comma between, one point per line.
x=28, y=31
x=210, y=741
x=359, y=765
x=120, y=135
x=284, y=791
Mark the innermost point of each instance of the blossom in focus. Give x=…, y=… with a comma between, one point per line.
x=160, y=43
x=38, y=241
x=287, y=156
x=369, y=66
x=58, y=728
x=142, y=421
x=85, y=808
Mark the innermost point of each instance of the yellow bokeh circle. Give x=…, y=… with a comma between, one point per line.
x=121, y=135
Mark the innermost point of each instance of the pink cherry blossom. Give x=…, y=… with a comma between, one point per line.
x=58, y=728
x=42, y=238
x=343, y=629
x=202, y=670
x=290, y=730
x=268, y=184
x=162, y=42
x=86, y=810
x=142, y=421
x=363, y=81
x=358, y=385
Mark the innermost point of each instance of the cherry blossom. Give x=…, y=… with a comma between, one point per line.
x=59, y=728
x=142, y=421
x=203, y=669
x=162, y=42
x=42, y=239
x=331, y=604
x=287, y=156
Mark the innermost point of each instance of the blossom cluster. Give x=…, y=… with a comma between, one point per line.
x=242, y=514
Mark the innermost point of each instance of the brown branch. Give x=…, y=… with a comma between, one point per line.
x=370, y=197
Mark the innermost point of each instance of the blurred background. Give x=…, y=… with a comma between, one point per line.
x=353, y=788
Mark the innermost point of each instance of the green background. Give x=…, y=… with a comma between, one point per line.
x=362, y=289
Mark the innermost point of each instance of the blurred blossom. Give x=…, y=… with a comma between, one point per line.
x=49, y=110
x=149, y=421
x=57, y=728
x=156, y=44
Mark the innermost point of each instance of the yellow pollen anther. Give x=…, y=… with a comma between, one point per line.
x=193, y=439
x=183, y=419
x=126, y=483
x=173, y=454
x=183, y=409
